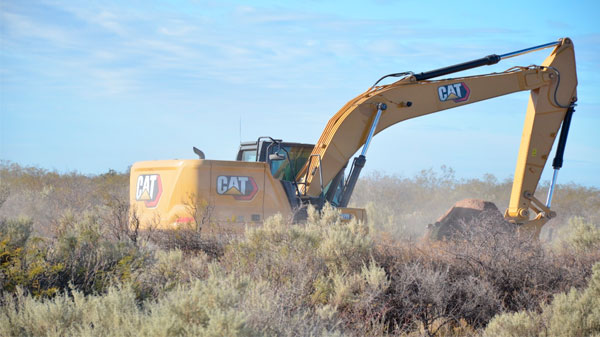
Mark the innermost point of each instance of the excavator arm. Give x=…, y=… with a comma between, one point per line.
x=553, y=92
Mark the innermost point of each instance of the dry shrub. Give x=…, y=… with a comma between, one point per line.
x=520, y=269
x=189, y=241
x=523, y=271
x=121, y=221
x=434, y=298
x=483, y=271
x=4, y=193
x=45, y=195
x=576, y=313
x=201, y=210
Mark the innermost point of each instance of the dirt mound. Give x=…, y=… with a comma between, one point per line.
x=463, y=215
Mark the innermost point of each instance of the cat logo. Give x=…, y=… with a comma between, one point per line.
x=457, y=92
x=240, y=187
x=148, y=189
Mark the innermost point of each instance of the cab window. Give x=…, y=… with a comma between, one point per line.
x=249, y=155
x=281, y=169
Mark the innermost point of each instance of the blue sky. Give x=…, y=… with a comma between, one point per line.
x=90, y=86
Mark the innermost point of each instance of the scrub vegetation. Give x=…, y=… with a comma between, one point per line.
x=73, y=264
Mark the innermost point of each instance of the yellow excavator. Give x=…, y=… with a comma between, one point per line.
x=271, y=176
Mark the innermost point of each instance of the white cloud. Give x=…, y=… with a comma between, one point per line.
x=21, y=26
x=109, y=21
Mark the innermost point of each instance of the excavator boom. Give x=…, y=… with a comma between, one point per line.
x=553, y=91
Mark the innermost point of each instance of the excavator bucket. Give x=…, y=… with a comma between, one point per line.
x=465, y=215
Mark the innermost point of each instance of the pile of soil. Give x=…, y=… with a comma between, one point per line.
x=464, y=215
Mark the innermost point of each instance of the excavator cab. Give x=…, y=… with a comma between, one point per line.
x=285, y=159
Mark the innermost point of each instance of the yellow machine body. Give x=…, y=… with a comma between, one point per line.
x=168, y=194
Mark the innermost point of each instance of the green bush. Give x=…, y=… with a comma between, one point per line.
x=582, y=235
x=221, y=305
x=79, y=258
x=91, y=260
x=516, y=324
x=15, y=232
x=576, y=313
x=283, y=253
x=24, y=262
x=172, y=268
